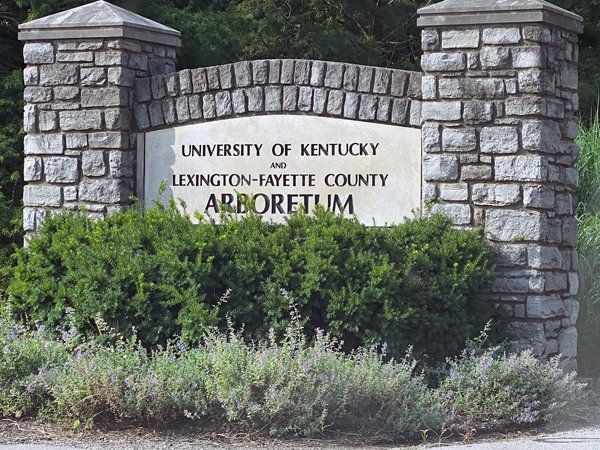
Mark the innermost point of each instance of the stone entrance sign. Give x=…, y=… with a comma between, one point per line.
x=370, y=170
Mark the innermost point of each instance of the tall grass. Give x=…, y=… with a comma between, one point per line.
x=588, y=192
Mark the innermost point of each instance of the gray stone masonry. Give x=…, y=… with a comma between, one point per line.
x=79, y=88
x=499, y=120
x=279, y=86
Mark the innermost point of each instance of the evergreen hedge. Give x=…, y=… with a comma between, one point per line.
x=421, y=282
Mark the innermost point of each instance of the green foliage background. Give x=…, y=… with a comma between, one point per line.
x=374, y=32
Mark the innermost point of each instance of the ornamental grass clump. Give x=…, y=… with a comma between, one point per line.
x=512, y=387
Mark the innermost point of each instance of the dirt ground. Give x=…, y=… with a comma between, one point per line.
x=187, y=435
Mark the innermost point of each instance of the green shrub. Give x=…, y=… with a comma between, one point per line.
x=420, y=283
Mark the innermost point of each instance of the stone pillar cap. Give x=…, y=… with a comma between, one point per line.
x=492, y=12
x=98, y=20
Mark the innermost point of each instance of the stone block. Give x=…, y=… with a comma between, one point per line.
x=495, y=58
x=365, y=79
x=541, y=135
x=32, y=169
x=156, y=114
x=459, y=213
x=383, y=109
x=226, y=75
x=429, y=193
x=416, y=117
x=415, y=81
x=51, y=144
x=182, y=109
x=459, y=139
x=109, y=139
x=117, y=119
x=38, y=53
x=30, y=113
x=80, y=120
x=351, y=105
x=92, y=163
x=382, y=81
x=499, y=140
x=573, y=285
x=551, y=347
x=81, y=57
x=66, y=93
x=76, y=141
x=243, y=73
x=260, y=71
x=160, y=67
x=515, y=282
x=142, y=90
x=302, y=72
x=290, y=98
x=527, y=336
x=476, y=113
x=159, y=89
x=212, y=74
x=526, y=106
x=537, y=33
x=59, y=74
x=195, y=108
x=536, y=82
x=37, y=94
x=28, y=220
x=59, y=169
x=334, y=75
x=430, y=137
x=104, y=191
x=274, y=71
x=529, y=57
x=443, y=62
x=399, y=111
x=496, y=194
x=238, y=100
x=399, y=79
x=287, y=71
x=568, y=76
x=545, y=306
x=460, y=38
x=185, y=82
x=563, y=204
x=572, y=307
x=317, y=74
x=168, y=107
x=31, y=76
x=368, y=107
x=510, y=255
x=471, y=88
x=138, y=62
x=521, y=168
x=335, y=103
x=501, y=35
x=556, y=281
x=506, y=225
x=478, y=172
x=319, y=101
x=121, y=164
x=350, y=81
x=544, y=257
x=103, y=97
x=440, y=168
x=256, y=99
x=111, y=58
x=429, y=87
x=555, y=108
x=552, y=327
x=570, y=231
x=121, y=76
x=273, y=96
x=538, y=196
x=567, y=342
x=199, y=80
x=223, y=104
x=42, y=195
x=441, y=111
x=430, y=40
x=454, y=192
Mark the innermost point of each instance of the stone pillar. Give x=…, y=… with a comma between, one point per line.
x=499, y=101
x=81, y=69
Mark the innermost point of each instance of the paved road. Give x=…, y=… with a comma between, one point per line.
x=573, y=440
